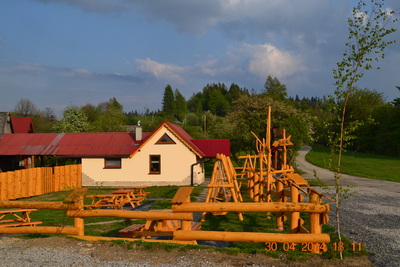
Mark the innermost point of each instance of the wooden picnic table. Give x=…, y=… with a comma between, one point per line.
x=130, y=196
x=16, y=217
x=137, y=190
x=105, y=201
x=115, y=200
x=155, y=227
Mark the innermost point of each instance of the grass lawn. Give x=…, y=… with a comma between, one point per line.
x=358, y=164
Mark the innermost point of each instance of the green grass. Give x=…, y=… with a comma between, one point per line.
x=358, y=164
x=169, y=191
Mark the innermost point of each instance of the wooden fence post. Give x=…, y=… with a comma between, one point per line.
x=315, y=223
x=280, y=216
x=294, y=216
x=79, y=222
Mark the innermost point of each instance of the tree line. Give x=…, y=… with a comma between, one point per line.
x=219, y=111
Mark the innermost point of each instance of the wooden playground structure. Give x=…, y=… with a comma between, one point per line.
x=273, y=186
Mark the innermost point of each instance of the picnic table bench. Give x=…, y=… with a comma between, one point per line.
x=137, y=190
x=130, y=196
x=115, y=200
x=154, y=227
x=105, y=201
x=16, y=217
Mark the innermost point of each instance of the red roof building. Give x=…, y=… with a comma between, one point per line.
x=168, y=142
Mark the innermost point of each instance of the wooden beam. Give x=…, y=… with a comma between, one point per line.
x=130, y=214
x=38, y=205
x=103, y=238
x=67, y=230
x=252, y=207
x=251, y=237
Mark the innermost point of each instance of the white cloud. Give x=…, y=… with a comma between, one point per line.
x=267, y=59
x=169, y=73
x=244, y=60
x=209, y=68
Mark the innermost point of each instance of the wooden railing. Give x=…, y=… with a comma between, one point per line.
x=39, y=181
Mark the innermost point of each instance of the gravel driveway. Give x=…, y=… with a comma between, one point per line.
x=371, y=215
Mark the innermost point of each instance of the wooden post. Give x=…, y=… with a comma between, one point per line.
x=256, y=187
x=280, y=216
x=79, y=222
x=294, y=216
x=269, y=157
x=315, y=224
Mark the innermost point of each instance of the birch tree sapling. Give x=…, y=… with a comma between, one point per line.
x=368, y=28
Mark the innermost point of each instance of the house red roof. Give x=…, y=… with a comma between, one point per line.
x=121, y=144
x=212, y=147
x=69, y=144
x=22, y=124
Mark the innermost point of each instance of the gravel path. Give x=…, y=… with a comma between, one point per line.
x=371, y=214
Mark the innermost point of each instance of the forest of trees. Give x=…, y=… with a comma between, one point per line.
x=219, y=111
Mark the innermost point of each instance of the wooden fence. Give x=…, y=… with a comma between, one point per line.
x=39, y=181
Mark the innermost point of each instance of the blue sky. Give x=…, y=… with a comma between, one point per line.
x=62, y=52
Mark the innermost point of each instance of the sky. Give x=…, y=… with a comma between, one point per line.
x=58, y=53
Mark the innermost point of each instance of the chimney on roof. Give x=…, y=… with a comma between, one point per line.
x=138, y=132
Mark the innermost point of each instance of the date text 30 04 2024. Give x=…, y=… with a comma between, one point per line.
x=309, y=246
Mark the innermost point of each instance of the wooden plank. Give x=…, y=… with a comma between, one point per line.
x=20, y=224
x=183, y=195
x=18, y=184
x=3, y=186
x=56, y=177
x=297, y=178
x=78, y=175
x=11, y=185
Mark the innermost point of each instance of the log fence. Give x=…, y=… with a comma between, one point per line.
x=38, y=181
x=182, y=209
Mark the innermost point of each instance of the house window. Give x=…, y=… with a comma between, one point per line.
x=165, y=139
x=155, y=164
x=112, y=163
